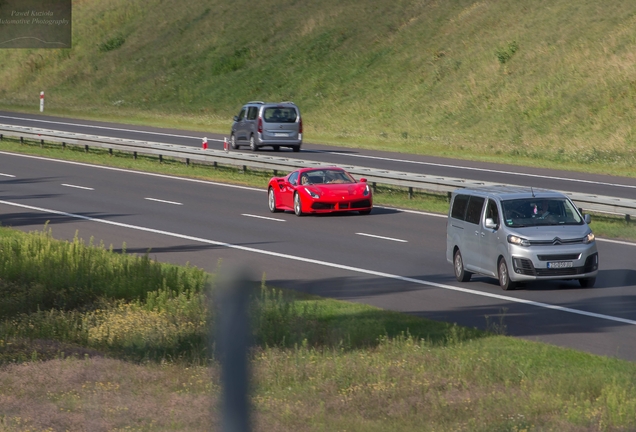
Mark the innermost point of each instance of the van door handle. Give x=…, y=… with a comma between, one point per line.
x=476, y=233
x=483, y=234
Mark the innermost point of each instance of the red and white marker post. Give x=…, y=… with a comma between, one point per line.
x=204, y=144
x=225, y=146
x=41, y=101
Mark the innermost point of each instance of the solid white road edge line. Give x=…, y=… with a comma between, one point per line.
x=105, y=128
x=383, y=238
x=328, y=264
x=163, y=201
x=263, y=217
x=232, y=186
x=77, y=187
x=7, y=175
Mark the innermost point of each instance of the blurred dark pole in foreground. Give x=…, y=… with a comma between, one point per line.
x=233, y=339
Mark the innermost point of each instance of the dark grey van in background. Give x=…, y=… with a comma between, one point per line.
x=259, y=124
x=518, y=234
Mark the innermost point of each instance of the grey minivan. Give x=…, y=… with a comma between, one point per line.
x=259, y=124
x=518, y=234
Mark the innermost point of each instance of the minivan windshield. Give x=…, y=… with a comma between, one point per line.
x=530, y=212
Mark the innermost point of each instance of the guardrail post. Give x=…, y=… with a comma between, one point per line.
x=215, y=165
x=135, y=155
x=373, y=186
x=187, y=161
x=244, y=169
x=86, y=148
x=410, y=192
x=63, y=145
x=21, y=140
x=0, y=137
x=110, y=151
x=627, y=218
x=275, y=171
x=41, y=143
x=449, y=195
x=160, y=159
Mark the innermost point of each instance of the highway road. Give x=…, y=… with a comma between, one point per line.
x=507, y=174
x=391, y=259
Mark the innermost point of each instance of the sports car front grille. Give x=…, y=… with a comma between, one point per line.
x=322, y=206
x=361, y=204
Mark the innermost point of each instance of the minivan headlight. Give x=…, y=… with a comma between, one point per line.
x=519, y=241
x=589, y=238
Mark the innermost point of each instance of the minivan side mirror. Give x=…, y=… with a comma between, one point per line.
x=490, y=224
x=235, y=118
x=587, y=218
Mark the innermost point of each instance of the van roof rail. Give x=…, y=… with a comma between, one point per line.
x=287, y=102
x=256, y=102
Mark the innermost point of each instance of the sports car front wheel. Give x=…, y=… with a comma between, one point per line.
x=298, y=208
x=271, y=201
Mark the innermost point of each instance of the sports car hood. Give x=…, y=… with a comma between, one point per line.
x=339, y=190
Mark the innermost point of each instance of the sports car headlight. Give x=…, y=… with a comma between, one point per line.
x=589, y=238
x=519, y=241
x=367, y=191
x=312, y=194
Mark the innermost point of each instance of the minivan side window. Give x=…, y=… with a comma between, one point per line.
x=473, y=212
x=459, y=207
x=241, y=114
x=492, y=212
x=252, y=112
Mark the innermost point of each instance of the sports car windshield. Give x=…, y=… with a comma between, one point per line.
x=325, y=176
x=530, y=212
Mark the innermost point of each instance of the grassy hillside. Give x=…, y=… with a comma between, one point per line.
x=543, y=82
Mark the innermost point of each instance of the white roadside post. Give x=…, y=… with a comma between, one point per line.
x=41, y=101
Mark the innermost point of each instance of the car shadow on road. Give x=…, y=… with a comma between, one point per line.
x=614, y=278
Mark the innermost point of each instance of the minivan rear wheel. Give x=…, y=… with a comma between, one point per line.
x=504, y=276
x=253, y=144
x=458, y=263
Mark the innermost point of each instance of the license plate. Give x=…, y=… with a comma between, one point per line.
x=560, y=264
x=280, y=134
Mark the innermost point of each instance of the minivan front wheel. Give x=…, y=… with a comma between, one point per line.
x=504, y=276
x=233, y=142
x=458, y=263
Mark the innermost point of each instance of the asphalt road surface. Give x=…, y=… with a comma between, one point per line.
x=391, y=259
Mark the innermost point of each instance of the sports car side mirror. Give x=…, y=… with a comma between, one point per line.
x=363, y=180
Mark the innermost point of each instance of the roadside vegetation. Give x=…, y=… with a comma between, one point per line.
x=540, y=84
x=98, y=340
x=603, y=225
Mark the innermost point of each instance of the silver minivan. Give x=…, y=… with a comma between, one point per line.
x=259, y=124
x=518, y=234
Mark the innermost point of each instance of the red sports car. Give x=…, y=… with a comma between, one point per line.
x=319, y=190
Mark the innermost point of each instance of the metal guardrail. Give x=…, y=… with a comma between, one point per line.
x=588, y=202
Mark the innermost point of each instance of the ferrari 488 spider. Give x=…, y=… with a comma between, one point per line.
x=319, y=190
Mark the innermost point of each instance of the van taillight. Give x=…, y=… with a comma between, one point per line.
x=300, y=126
x=260, y=125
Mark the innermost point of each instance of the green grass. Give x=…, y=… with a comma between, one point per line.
x=317, y=364
x=607, y=226
x=539, y=84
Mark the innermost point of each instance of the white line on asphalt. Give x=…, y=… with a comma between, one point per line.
x=383, y=238
x=77, y=187
x=331, y=265
x=481, y=169
x=222, y=184
x=107, y=128
x=163, y=201
x=263, y=217
x=134, y=172
x=7, y=175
